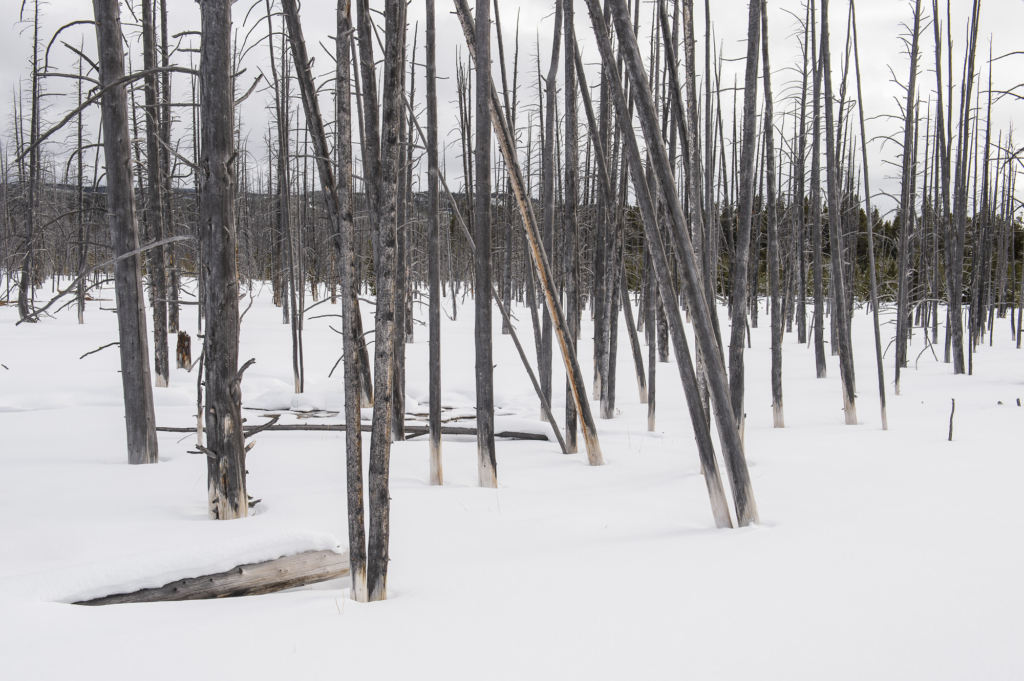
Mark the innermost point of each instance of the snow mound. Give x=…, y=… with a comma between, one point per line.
x=156, y=568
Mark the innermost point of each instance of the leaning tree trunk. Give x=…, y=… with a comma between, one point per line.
x=225, y=443
x=124, y=237
x=533, y=233
x=746, y=510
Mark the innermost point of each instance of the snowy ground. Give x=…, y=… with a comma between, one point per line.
x=882, y=555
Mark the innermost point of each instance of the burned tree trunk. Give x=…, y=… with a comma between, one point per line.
x=819, y=295
x=505, y=143
x=570, y=200
x=124, y=237
x=386, y=229
x=778, y=417
x=871, y=237
x=351, y=325
x=487, y=466
x=154, y=205
x=741, y=248
x=433, y=255
x=836, y=283
x=225, y=444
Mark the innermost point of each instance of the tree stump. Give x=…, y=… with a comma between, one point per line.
x=184, y=352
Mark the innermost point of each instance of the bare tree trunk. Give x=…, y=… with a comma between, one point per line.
x=741, y=249
x=871, y=238
x=571, y=179
x=225, y=444
x=124, y=237
x=384, y=338
x=836, y=283
x=819, y=294
x=433, y=255
x=548, y=192
x=155, y=202
x=778, y=417
x=505, y=143
x=746, y=509
x=487, y=465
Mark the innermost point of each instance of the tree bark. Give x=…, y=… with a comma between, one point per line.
x=836, y=282
x=384, y=338
x=778, y=417
x=487, y=465
x=433, y=255
x=154, y=204
x=741, y=249
x=225, y=439
x=140, y=421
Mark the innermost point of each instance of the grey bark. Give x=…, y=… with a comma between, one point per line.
x=871, y=233
x=778, y=417
x=433, y=256
x=131, y=318
x=746, y=510
x=836, y=281
x=155, y=202
x=224, y=438
x=384, y=339
x=487, y=465
x=741, y=249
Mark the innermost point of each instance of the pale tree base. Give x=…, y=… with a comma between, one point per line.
x=850, y=407
x=487, y=474
x=777, y=417
x=358, y=591
x=436, y=472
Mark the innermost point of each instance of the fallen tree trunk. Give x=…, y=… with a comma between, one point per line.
x=411, y=431
x=269, y=576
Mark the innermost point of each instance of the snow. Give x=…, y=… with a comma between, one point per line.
x=880, y=554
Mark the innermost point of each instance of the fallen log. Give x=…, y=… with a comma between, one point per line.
x=288, y=572
x=411, y=431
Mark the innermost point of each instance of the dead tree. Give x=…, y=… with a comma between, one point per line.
x=741, y=248
x=433, y=254
x=155, y=201
x=386, y=229
x=487, y=465
x=225, y=444
x=746, y=509
x=907, y=203
x=819, y=294
x=570, y=199
x=540, y=257
x=124, y=237
x=777, y=314
x=836, y=281
x=548, y=193
x=873, y=290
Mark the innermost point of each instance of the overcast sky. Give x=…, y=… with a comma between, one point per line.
x=880, y=25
